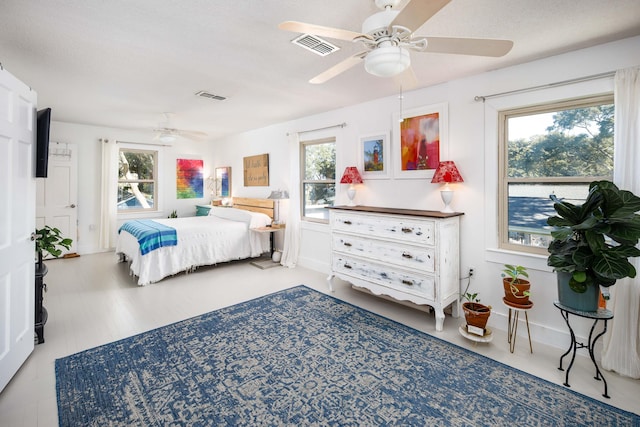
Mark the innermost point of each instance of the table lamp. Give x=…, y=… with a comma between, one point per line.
x=278, y=195
x=351, y=176
x=446, y=172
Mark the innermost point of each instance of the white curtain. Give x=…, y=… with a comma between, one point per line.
x=292, y=231
x=108, y=193
x=621, y=350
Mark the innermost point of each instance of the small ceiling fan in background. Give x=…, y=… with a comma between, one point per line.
x=166, y=133
x=388, y=36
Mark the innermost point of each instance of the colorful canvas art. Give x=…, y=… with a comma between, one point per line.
x=420, y=142
x=189, y=179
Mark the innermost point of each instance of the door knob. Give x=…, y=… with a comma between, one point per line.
x=73, y=205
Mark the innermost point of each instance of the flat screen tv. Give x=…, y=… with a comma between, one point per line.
x=42, y=142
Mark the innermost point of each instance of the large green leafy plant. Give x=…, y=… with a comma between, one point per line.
x=595, y=240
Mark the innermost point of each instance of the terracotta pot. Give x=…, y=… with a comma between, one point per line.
x=476, y=314
x=515, y=292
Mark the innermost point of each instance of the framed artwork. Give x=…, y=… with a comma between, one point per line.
x=223, y=181
x=256, y=170
x=189, y=179
x=373, y=156
x=419, y=139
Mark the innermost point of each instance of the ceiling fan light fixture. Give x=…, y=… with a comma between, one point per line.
x=167, y=137
x=387, y=61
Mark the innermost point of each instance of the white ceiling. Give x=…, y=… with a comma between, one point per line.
x=122, y=63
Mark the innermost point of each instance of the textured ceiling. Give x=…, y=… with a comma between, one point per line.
x=122, y=63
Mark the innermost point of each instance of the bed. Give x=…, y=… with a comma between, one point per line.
x=223, y=235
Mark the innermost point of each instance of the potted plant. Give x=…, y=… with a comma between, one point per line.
x=475, y=313
x=49, y=240
x=516, y=288
x=592, y=243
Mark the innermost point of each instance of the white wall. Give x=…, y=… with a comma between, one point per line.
x=472, y=145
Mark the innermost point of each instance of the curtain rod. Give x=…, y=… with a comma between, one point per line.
x=341, y=125
x=142, y=143
x=549, y=85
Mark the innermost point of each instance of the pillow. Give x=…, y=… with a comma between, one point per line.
x=231, y=214
x=259, y=220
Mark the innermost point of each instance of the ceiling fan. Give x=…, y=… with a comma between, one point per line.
x=166, y=133
x=388, y=36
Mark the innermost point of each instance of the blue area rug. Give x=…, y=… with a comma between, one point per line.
x=300, y=357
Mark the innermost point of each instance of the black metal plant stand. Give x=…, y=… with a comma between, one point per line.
x=41, y=314
x=601, y=314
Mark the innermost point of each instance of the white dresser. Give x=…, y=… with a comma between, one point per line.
x=408, y=255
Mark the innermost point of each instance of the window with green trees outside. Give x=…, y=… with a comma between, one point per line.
x=318, y=172
x=137, y=180
x=553, y=149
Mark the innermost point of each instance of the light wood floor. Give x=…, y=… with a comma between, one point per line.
x=91, y=301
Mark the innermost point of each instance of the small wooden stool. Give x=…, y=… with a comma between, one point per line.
x=514, y=314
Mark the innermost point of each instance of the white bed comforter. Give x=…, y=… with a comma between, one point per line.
x=222, y=236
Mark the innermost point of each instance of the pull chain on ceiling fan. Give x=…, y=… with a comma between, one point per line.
x=388, y=37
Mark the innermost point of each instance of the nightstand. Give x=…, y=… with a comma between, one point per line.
x=264, y=262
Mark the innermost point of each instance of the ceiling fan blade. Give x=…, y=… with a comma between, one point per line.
x=340, y=67
x=464, y=46
x=319, y=30
x=407, y=80
x=193, y=134
x=417, y=12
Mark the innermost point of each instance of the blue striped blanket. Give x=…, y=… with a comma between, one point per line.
x=150, y=234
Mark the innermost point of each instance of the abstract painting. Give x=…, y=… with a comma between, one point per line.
x=419, y=139
x=189, y=179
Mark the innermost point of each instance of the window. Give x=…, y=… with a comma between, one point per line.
x=550, y=150
x=137, y=180
x=318, y=173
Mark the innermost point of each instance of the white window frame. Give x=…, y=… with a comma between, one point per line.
x=303, y=181
x=505, y=180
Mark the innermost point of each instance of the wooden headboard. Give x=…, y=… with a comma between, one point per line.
x=264, y=206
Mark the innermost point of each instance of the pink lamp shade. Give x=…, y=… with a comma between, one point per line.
x=446, y=172
x=351, y=176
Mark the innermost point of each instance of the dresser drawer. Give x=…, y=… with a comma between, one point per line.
x=398, y=228
x=420, y=258
x=422, y=285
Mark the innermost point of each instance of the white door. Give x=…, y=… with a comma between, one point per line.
x=57, y=195
x=17, y=224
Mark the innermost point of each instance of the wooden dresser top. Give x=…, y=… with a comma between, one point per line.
x=394, y=211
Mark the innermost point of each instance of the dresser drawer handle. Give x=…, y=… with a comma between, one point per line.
x=407, y=230
x=347, y=244
x=407, y=255
x=407, y=282
x=347, y=222
x=347, y=266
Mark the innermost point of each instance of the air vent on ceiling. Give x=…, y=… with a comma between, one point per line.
x=315, y=44
x=205, y=94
